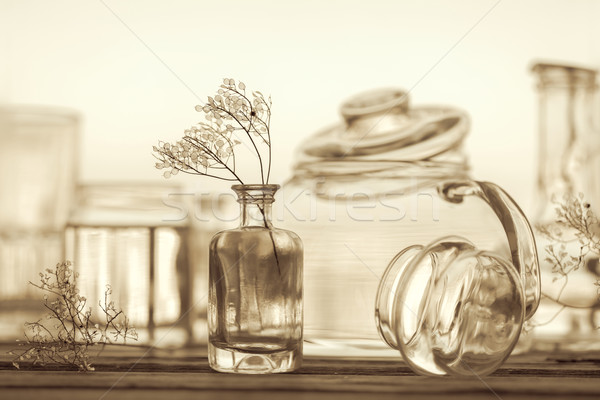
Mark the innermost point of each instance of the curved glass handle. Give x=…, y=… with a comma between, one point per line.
x=518, y=232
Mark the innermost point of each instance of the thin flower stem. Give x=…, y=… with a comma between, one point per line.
x=58, y=317
x=211, y=176
x=250, y=137
x=253, y=110
x=42, y=327
x=562, y=289
x=563, y=304
x=230, y=146
x=269, y=136
x=266, y=225
x=551, y=318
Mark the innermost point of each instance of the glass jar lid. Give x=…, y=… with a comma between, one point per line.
x=380, y=131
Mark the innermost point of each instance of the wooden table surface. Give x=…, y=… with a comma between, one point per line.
x=139, y=373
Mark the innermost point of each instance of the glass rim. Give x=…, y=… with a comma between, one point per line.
x=40, y=111
x=256, y=186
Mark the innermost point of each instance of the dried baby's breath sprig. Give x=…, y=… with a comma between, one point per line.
x=575, y=221
x=70, y=331
x=575, y=215
x=208, y=148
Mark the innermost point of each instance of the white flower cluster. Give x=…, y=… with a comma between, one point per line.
x=208, y=148
x=197, y=151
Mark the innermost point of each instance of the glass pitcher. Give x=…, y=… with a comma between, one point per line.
x=371, y=186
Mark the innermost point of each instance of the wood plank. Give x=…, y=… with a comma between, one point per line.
x=145, y=373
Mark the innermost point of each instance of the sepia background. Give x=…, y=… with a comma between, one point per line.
x=136, y=69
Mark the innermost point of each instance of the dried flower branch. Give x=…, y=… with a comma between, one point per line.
x=575, y=221
x=71, y=331
x=207, y=149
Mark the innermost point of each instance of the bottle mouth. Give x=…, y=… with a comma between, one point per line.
x=562, y=75
x=263, y=193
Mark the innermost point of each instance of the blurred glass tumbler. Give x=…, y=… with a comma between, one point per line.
x=211, y=215
x=37, y=182
x=135, y=238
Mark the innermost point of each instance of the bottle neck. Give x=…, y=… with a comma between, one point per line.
x=255, y=204
x=255, y=214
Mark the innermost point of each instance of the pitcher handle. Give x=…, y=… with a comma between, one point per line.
x=516, y=226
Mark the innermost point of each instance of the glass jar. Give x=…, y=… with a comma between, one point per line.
x=211, y=214
x=134, y=238
x=367, y=188
x=255, y=296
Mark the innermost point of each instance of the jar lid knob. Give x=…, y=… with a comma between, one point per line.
x=375, y=102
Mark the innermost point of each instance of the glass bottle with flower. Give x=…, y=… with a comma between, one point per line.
x=255, y=309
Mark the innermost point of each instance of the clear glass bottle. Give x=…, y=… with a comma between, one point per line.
x=568, y=161
x=255, y=307
x=367, y=188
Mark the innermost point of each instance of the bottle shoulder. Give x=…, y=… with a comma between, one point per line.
x=257, y=231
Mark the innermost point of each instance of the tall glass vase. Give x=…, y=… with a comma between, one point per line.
x=568, y=167
x=255, y=309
